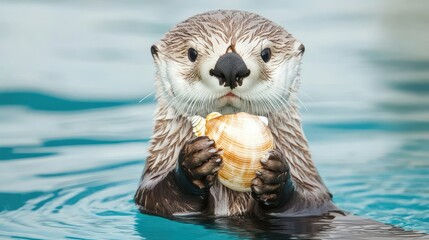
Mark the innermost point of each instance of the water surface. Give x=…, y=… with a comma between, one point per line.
x=73, y=135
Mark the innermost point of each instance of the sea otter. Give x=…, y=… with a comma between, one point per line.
x=228, y=62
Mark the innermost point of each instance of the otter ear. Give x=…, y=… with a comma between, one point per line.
x=301, y=49
x=154, y=51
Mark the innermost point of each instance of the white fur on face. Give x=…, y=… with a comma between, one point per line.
x=255, y=96
x=268, y=88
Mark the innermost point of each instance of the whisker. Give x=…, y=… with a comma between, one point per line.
x=279, y=99
x=284, y=102
x=295, y=95
x=202, y=101
x=248, y=105
x=273, y=102
x=305, y=94
x=195, y=101
x=151, y=93
x=178, y=99
x=302, y=103
x=264, y=103
x=193, y=98
x=214, y=98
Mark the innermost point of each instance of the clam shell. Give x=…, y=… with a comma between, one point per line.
x=198, y=126
x=199, y=123
x=245, y=139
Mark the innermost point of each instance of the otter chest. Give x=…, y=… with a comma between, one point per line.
x=227, y=202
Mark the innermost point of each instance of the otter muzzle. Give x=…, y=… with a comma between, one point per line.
x=230, y=69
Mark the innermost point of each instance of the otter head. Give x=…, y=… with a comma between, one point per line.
x=227, y=61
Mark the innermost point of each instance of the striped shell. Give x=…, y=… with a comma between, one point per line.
x=244, y=138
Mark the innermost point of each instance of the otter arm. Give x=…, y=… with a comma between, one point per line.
x=159, y=191
x=273, y=186
x=310, y=195
x=285, y=194
x=168, y=198
x=280, y=195
x=298, y=197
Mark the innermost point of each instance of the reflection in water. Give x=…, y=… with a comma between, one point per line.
x=330, y=226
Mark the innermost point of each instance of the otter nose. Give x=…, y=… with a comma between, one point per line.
x=230, y=69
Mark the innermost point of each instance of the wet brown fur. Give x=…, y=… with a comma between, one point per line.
x=158, y=192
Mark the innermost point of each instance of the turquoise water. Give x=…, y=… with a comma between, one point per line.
x=73, y=135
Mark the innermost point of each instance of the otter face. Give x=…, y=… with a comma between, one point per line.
x=227, y=61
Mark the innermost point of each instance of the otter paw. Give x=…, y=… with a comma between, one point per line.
x=200, y=161
x=269, y=185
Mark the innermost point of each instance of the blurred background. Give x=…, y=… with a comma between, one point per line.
x=73, y=135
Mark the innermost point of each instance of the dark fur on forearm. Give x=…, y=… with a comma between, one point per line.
x=167, y=198
x=170, y=196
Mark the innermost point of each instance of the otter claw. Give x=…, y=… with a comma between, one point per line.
x=272, y=185
x=213, y=150
x=199, y=160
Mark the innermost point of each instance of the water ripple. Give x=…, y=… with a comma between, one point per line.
x=73, y=137
x=46, y=102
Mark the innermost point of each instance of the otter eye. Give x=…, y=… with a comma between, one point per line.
x=266, y=54
x=192, y=54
